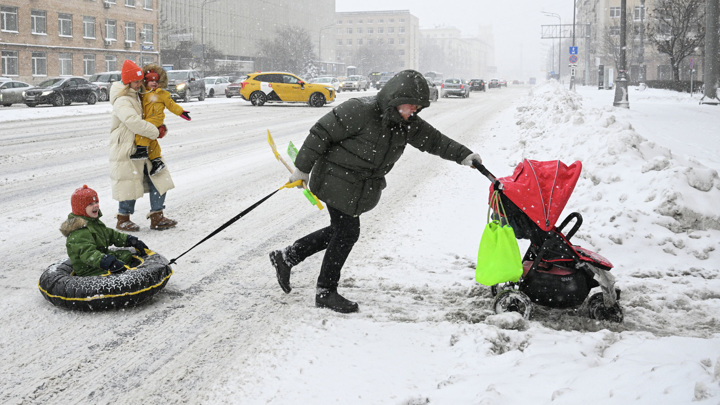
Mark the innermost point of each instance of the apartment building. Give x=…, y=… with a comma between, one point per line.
x=40, y=39
x=445, y=50
x=377, y=41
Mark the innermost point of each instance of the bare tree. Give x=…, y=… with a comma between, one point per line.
x=611, y=41
x=676, y=28
x=290, y=51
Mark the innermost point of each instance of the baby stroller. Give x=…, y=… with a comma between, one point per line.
x=556, y=273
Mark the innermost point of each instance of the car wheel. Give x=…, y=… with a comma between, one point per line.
x=92, y=99
x=436, y=97
x=58, y=100
x=201, y=97
x=186, y=97
x=258, y=98
x=103, y=95
x=30, y=104
x=7, y=105
x=316, y=100
x=211, y=94
x=228, y=96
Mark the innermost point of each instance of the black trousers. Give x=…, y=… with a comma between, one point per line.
x=337, y=240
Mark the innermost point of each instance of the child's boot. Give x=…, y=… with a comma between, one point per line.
x=141, y=152
x=157, y=166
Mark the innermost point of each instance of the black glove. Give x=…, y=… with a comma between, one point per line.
x=112, y=264
x=185, y=115
x=133, y=241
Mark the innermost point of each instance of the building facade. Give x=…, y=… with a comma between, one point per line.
x=445, y=50
x=41, y=39
x=377, y=41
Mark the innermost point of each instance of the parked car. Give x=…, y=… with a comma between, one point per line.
x=104, y=81
x=384, y=79
x=280, y=87
x=11, y=92
x=233, y=89
x=356, y=82
x=434, y=93
x=477, y=85
x=215, y=85
x=494, y=84
x=328, y=81
x=455, y=87
x=62, y=90
x=185, y=84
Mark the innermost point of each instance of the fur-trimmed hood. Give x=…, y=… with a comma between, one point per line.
x=163, y=81
x=73, y=223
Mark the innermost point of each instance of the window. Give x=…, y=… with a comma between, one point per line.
x=110, y=63
x=614, y=30
x=10, y=63
x=338, y=31
x=380, y=30
x=380, y=20
x=339, y=22
x=349, y=30
x=89, y=64
x=401, y=52
x=339, y=42
x=8, y=18
x=147, y=4
x=129, y=3
x=359, y=30
x=370, y=30
x=391, y=30
x=39, y=64
x=360, y=41
x=402, y=20
x=129, y=31
x=401, y=30
x=65, y=25
x=349, y=42
x=148, y=33
x=38, y=21
x=639, y=13
x=371, y=42
x=360, y=21
x=88, y=27
x=111, y=29
x=65, y=65
x=391, y=20
x=370, y=20
x=614, y=12
x=391, y=41
x=401, y=41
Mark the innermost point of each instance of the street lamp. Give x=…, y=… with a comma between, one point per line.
x=621, y=83
x=641, y=56
x=559, y=38
x=320, y=42
x=202, y=31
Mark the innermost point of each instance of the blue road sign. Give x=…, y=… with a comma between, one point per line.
x=573, y=50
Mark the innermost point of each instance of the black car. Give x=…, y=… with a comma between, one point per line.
x=433, y=90
x=384, y=79
x=62, y=91
x=477, y=85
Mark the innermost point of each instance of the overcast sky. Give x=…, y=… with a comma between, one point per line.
x=519, y=51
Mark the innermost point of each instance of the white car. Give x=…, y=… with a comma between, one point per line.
x=328, y=80
x=215, y=85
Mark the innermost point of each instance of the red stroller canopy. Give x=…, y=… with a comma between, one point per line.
x=541, y=189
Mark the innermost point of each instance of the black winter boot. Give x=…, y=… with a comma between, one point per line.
x=282, y=270
x=329, y=298
x=141, y=152
x=157, y=166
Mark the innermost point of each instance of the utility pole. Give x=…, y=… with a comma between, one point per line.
x=641, y=55
x=559, y=39
x=621, y=83
x=572, y=68
x=710, y=71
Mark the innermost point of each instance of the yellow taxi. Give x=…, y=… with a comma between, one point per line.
x=280, y=87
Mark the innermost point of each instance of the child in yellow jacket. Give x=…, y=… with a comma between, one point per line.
x=155, y=99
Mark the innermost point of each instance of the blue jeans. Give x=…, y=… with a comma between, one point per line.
x=157, y=201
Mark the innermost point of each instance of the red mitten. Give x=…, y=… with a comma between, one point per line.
x=163, y=131
x=185, y=115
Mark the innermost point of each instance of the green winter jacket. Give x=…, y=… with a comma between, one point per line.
x=87, y=242
x=350, y=149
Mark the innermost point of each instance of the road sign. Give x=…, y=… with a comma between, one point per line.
x=573, y=59
x=573, y=50
x=146, y=47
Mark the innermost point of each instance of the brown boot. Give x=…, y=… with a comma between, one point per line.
x=125, y=224
x=159, y=222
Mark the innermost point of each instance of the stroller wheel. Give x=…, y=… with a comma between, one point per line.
x=513, y=301
x=597, y=310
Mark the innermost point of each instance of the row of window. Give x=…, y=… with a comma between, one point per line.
x=38, y=25
x=65, y=63
x=370, y=21
x=371, y=30
x=638, y=13
x=390, y=41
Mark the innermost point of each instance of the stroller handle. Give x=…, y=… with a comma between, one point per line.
x=486, y=173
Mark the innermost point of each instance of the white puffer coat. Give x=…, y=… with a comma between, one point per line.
x=127, y=175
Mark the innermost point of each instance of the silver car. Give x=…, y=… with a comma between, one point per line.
x=11, y=92
x=104, y=81
x=356, y=82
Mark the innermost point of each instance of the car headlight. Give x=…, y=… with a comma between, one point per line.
x=181, y=86
x=47, y=92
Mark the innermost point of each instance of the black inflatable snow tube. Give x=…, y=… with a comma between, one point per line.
x=114, y=291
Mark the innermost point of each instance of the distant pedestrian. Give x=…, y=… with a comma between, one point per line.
x=345, y=159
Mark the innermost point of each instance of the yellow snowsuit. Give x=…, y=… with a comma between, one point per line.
x=154, y=103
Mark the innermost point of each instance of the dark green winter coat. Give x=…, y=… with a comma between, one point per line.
x=87, y=242
x=350, y=149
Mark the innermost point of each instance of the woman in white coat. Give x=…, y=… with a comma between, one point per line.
x=130, y=179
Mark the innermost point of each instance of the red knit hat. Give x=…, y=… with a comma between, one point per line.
x=130, y=72
x=81, y=198
x=151, y=76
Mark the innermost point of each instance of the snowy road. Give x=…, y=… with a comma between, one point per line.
x=222, y=312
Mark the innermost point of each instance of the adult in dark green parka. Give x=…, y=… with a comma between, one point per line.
x=345, y=158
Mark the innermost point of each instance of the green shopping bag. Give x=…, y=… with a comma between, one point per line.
x=499, y=258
